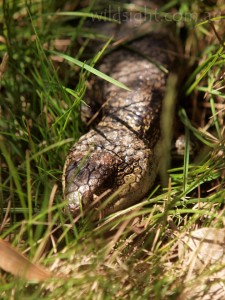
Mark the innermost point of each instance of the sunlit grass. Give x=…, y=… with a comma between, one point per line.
x=126, y=255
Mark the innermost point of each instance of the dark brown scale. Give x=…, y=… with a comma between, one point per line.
x=120, y=153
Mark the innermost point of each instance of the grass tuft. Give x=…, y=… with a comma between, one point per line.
x=132, y=254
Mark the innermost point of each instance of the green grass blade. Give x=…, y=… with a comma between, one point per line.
x=215, y=119
x=80, y=14
x=94, y=71
x=205, y=70
x=14, y=173
x=186, y=158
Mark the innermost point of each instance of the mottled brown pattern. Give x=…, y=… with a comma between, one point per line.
x=119, y=154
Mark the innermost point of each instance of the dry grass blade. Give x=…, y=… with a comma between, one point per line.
x=17, y=264
x=3, y=65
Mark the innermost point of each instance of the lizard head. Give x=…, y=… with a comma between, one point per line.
x=87, y=177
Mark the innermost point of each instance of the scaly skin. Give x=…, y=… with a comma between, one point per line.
x=119, y=154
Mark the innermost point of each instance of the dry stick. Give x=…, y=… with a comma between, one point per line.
x=216, y=33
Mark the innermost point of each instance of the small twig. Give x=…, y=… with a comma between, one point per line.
x=216, y=33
